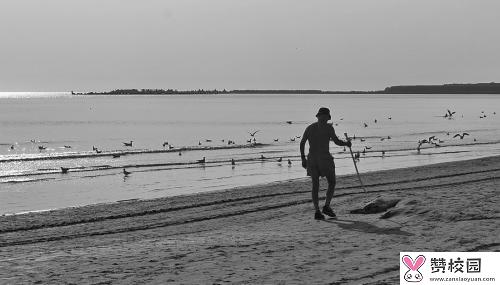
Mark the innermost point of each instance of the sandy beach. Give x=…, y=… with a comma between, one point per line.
x=262, y=234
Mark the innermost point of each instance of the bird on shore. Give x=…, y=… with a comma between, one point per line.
x=249, y=141
x=276, y=140
x=67, y=146
x=199, y=142
x=208, y=140
x=64, y=169
x=41, y=147
x=125, y=172
x=289, y=122
x=389, y=137
x=375, y=121
x=292, y=139
x=201, y=160
x=368, y=147
x=390, y=118
x=252, y=134
x=165, y=144
x=280, y=159
x=12, y=147
x=262, y=157
x=383, y=153
x=357, y=156
x=128, y=143
x=115, y=155
x=170, y=146
x=365, y=124
x=462, y=135
x=180, y=153
x=94, y=148
x=98, y=151
x=289, y=162
x=362, y=139
x=420, y=143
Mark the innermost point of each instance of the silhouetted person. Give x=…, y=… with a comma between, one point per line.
x=319, y=162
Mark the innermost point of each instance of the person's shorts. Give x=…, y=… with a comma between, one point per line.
x=320, y=165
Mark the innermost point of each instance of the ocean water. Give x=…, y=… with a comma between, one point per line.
x=200, y=126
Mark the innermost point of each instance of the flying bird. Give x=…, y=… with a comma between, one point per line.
x=128, y=143
x=253, y=134
x=461, y=135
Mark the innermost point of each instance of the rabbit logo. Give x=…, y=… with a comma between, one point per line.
x=413, y=275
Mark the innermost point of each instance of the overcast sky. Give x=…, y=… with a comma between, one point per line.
x=95, y=45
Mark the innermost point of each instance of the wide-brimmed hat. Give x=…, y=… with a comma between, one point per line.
x=324, y=111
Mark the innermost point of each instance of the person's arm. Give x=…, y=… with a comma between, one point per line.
x=305, y=137
x=337, y=141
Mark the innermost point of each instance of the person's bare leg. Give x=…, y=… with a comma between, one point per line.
x=331, y=189
x=315, y=191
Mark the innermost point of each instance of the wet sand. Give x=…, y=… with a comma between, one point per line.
x=262, y=234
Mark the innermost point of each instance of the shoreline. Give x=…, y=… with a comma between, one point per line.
x=261, y=234
x=117, y=205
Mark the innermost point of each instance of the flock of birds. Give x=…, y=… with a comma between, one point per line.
x=432, y=140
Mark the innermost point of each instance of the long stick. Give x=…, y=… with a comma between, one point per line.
x=355, y=166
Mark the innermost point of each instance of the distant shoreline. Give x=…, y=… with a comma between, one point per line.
x=475, y=88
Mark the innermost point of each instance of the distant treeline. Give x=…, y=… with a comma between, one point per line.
x=477, y=88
